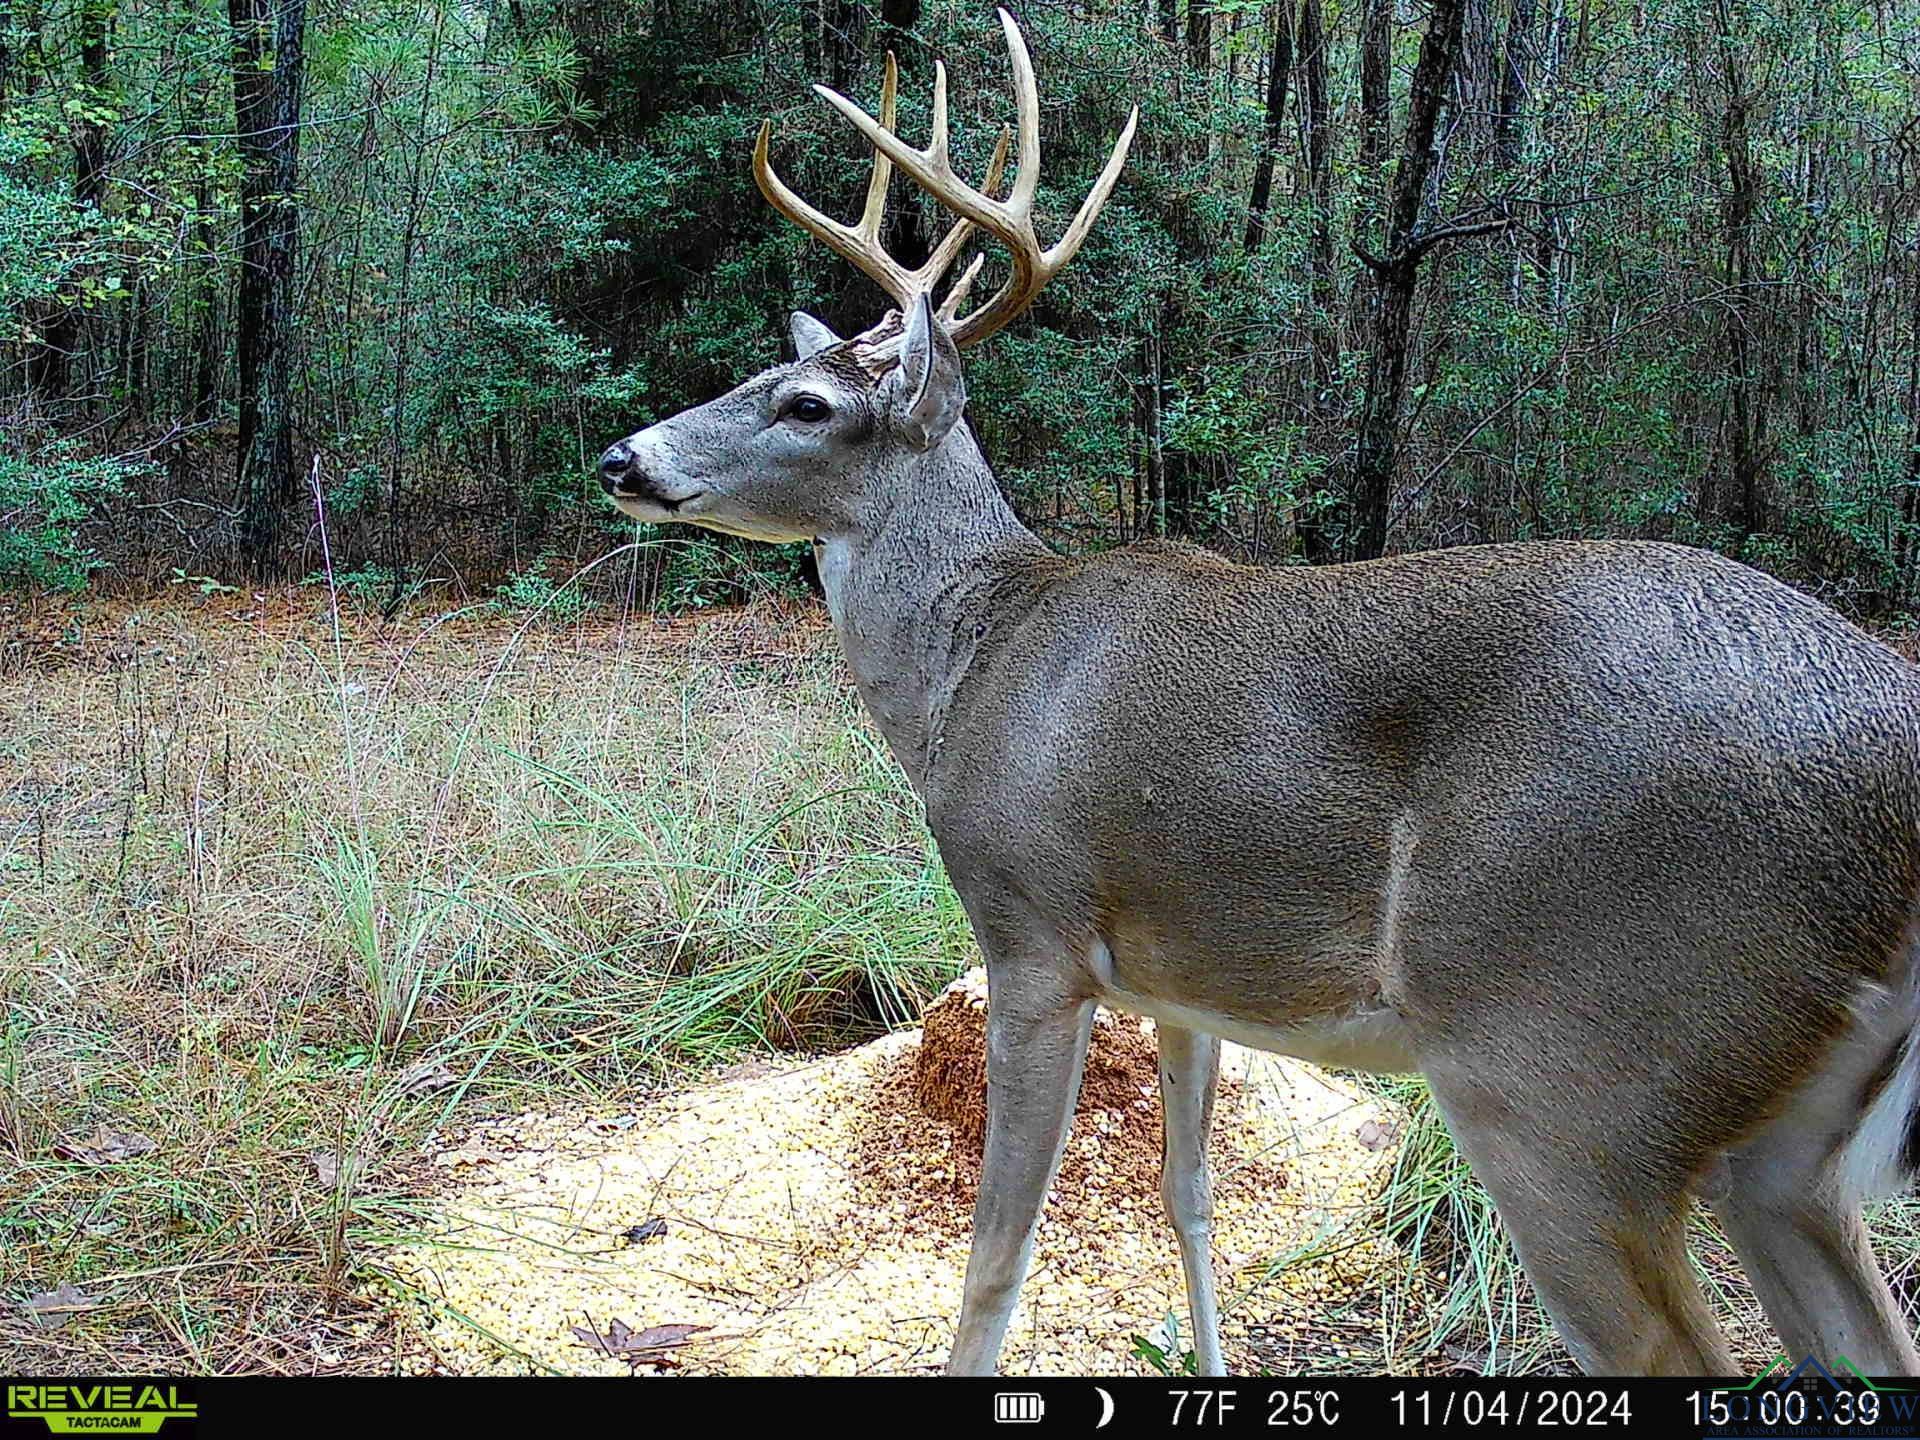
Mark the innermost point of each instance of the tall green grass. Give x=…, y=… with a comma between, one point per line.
x=1472, y=1308
x=302, y=898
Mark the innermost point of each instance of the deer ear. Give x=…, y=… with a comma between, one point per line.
x=809, y=335
x=932, y=393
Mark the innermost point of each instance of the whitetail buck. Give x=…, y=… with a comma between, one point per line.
x=1617, y=843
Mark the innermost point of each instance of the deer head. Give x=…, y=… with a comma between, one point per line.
x=809, y=449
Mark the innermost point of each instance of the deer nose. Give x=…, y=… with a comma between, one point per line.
x=616, y=467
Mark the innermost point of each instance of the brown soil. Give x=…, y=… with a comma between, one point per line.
x=932, y=1147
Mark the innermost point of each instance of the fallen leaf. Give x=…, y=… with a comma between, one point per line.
x=425, y=1078
x=611, y=1124
x=636, y=1347
x=1376, y=1136
x=326, y=1165
x=664, y=1337
x=56, y=1307
x=465, y=1156
x=107, y=1147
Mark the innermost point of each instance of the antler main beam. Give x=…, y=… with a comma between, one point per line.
x=1009, y=221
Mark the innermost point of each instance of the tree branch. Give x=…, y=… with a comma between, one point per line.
x=1425, y=240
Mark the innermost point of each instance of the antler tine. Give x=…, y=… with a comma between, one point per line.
x=936, y=151
x=955, y=239
x=1063, y=250
x=930, y=169
x=875, y=210
x=1026, y=109
x=958, y=294
x=858, y=245
x=1009, y=221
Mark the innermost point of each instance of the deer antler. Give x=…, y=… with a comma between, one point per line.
x=860, y=244
x=1009, y=221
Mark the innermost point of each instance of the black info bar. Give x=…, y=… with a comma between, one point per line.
x=1807, y=1400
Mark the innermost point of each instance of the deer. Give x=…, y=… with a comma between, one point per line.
x=1615, y=842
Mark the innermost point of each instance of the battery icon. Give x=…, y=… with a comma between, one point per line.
x=1018, y=1407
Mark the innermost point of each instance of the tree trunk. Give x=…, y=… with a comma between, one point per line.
x=1313, y=94
x=1747, y=407
x=1156, y=447
x=268, y=67
x=1396, y=274
x=200, y=277
x=1516, y=63
x=89, y=131
x=1478, y=76
x=843, y=42
x=1376, y=115
x=1310, y=520
x=810, y=36
x=1279, y=68
x=1908, y=540
x=897, y=21
x=6, y=54
x=1199, y=33
x=906, y=236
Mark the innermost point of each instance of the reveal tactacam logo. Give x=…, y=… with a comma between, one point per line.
x=99, y=1409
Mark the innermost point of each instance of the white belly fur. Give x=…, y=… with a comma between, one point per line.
x=1374, y=1040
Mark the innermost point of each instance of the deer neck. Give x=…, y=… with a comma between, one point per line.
x=912, y=584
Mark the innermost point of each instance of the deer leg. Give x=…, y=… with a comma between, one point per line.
x=1037, y=1032
x=1811, y=1265
x=1189, y=1066
x=1802, y=1240
x=1610, y=1267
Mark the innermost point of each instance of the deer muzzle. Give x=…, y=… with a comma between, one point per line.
x=640, y=483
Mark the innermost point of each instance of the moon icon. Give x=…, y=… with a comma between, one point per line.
x=1106, y=1408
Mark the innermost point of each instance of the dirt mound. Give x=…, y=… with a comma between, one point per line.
x=1118, y=1110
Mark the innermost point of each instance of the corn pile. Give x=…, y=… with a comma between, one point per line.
x=813, y=1217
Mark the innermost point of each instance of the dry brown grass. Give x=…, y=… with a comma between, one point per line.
x=283, y=903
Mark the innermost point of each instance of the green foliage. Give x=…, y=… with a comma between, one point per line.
x=690, y=573
x=1161, y=1351
x=206, y=585
x=367, y=586
x=1443, y=1221
x=46, y=494
x=41, y=231
x=535, y=593
x=529, y=230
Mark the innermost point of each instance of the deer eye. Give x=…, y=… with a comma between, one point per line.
x=808, y=408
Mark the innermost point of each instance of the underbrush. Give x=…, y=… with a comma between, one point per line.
x=277, y=903
x=1476, y=1313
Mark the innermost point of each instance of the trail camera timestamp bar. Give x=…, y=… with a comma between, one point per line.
x=1787, y=1401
